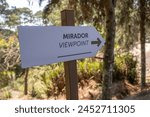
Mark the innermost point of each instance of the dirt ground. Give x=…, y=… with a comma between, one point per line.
x=143, y=95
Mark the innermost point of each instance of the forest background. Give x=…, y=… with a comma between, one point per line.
x=119, y=70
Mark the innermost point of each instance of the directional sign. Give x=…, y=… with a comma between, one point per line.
x=40, y=45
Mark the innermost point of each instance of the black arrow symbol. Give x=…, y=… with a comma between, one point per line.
x=98, y=42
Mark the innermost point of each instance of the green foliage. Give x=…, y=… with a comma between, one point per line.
x=3, y=6
x=89, y=68
x=17, y=16
x=18, y=84
x=127, y=23
x=6, y=77
x=5, y=33
x=46, y=80
x=38, y=90
x=86, y=12
x=9, y=53
x=131, y=64
x=125, y=68
x=5, y=94
x=49, y=81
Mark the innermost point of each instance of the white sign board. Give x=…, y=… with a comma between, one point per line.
x=40, y=45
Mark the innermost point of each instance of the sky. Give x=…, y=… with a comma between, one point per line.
x=24, y=3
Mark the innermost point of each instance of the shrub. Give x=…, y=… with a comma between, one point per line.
x=6, y=94
x=125, y=68
x=5, y=78
x=90, y=69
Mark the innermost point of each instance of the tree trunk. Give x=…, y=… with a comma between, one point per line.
x=109, y=49
x=26, y=82
x=142, y=40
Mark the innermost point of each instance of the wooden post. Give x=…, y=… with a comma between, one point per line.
x=26, y=82
x=71, y=80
